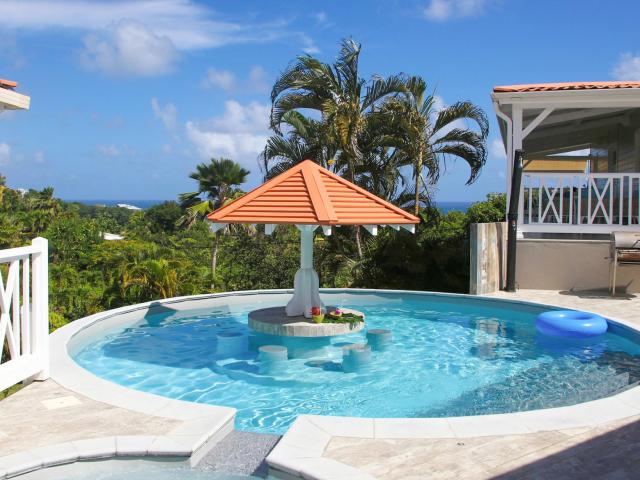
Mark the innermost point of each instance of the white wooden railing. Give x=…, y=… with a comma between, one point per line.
x=24, y=314
x=579, y=203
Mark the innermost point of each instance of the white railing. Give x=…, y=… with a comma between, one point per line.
x=579, y=203
x=24, y=313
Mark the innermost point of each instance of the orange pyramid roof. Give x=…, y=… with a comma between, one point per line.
x=308, y=194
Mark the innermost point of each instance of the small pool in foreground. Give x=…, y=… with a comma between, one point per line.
x=450, y=356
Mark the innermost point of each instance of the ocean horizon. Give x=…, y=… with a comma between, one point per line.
x=444, y=206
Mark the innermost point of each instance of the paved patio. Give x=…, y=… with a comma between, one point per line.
x=608, y=451
x=44, y=413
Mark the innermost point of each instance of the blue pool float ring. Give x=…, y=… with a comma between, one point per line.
x=571, y=323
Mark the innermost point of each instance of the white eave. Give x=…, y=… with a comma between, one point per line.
x=592, y=98
x=11, y=100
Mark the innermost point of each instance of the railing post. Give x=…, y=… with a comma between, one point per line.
x=40, y=317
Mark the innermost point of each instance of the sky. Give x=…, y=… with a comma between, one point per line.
x=128, y=96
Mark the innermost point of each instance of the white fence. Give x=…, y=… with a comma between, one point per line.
x=24, y=313
x=579, y=203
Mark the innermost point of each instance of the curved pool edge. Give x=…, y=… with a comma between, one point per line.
x=300, y=450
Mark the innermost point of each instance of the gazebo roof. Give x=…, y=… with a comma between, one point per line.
x=308, y=194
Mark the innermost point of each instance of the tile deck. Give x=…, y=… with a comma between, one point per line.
x=44, y=413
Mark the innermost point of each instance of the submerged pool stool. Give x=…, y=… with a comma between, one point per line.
x=378, y=338
x=272, y=353
x=570, y=324
x=231, y=343
x=354, y=356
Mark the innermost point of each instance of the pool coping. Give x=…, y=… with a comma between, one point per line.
x=299, y=452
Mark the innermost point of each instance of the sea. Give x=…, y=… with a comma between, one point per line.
x=444, y=206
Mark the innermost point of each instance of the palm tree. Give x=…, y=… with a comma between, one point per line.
x=428, y=136
x=343, y=99
x=217, y=185
x=305, y=138
x=149, y=279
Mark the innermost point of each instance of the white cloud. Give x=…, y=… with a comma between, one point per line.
x=187, y=24
x=109, y=150
x=258, y=79
x=321, y=18
x=441, y=10
x=627, y=68
x=223, y=79
x=496, y=149
x=129, y=49
x=308, y=45
x=5, y=154
x=38, y=156
x=164, y=27
x=167, y=114
x=240, y=132
x=227, y=81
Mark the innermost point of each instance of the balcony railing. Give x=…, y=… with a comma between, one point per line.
x=579, y=203
x=24, y=314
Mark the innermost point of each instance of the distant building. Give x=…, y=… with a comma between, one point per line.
x=112, y=236
x=127, y=206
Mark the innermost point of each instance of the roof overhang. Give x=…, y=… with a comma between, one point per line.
x=596, y=98
x=10, y=100
x=579, y=109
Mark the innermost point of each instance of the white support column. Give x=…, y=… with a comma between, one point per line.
x=518, y=137
x=306, y=285
x=269, y=228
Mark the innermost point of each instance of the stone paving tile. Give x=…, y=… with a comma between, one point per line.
x=27, y=423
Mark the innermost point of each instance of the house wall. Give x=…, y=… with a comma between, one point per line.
x=570, y=265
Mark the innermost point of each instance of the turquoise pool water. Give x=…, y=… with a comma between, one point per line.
x=130, y=469
x=449, y=356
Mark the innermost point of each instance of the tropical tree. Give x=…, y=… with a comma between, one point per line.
x=428, y=135
x=301, y=138
x=218, y=183
x=343, y=99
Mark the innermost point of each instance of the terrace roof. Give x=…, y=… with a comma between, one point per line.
x=308, y=194
x=563, y=86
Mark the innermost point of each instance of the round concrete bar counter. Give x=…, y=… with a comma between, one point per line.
x=274, y=321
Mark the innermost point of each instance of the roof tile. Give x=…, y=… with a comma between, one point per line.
x=308, y=194
x=550, y=87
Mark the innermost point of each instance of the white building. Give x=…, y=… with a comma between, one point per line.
x=581, y=179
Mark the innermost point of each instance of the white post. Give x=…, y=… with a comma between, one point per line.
x=518, y=136
x=306, y=248
x=40, y=317
x=306, y=289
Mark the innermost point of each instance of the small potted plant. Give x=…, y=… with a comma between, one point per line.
x=316, y=314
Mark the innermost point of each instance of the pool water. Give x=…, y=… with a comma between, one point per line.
x=449, y=356
x=130, y=469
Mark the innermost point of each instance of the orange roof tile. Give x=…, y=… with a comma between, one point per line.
x=8, y=83
x=308, y=194
x=549, y=87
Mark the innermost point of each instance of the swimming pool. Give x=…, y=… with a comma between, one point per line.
x=130, y=469
x=450, y=356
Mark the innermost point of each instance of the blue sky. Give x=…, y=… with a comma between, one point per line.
x=128, y=96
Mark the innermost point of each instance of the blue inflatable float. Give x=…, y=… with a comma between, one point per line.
x=571, y=323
